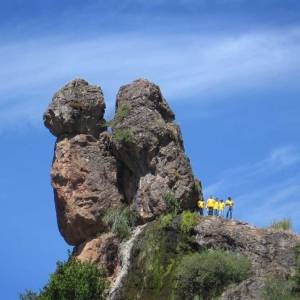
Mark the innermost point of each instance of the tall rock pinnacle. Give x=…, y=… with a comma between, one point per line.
x=136, y=165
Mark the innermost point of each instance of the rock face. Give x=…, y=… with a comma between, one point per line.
x=102, y=251
x=271, y=252
x=152, y=152
x=94, y=170
x=76, y=108
x=84, y=177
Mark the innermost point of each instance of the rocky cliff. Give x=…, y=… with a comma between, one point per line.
x=133, y=171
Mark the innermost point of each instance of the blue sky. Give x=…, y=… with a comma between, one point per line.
x=229, y=68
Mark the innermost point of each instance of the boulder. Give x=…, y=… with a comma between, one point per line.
x=102, y=251
x=76, y=108
x=84, y=178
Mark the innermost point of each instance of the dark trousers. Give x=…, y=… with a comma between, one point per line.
x=229, y=213
x=216, y=212
x=200, y=210
x=210, y=211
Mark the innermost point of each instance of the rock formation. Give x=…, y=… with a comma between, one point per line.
x=135, y=167
x=94, y=170
x=154, y=154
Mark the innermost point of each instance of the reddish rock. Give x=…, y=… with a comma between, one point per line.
x=84, y=178
x=102, y=251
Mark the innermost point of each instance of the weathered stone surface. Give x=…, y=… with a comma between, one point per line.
x=76, y=108
x=250, y=289
x=102, y=251
x=149, y=198
x=84, y=178
x=149, y=143
x=269, y=250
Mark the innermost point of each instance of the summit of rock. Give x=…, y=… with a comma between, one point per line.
x=76, y=108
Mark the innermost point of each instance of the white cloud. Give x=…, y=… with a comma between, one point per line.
x=190, y=65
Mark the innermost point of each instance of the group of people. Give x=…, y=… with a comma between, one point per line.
x=216, y=207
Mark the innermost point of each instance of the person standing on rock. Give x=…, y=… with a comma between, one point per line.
x=201, y=205
x=221, y=208
x=216, y=207
x=210, y=205
x=229, y=204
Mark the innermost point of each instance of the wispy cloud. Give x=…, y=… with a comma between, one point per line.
x=263, y=190
x=190, y=65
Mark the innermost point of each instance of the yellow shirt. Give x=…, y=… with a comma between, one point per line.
x=221, y=205
x=229, y=203
x=201, y=204
x=210, y=203
x=216, y=205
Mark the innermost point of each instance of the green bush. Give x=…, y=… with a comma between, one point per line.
x=122, y=112
x=188, y=221
x=29, y=295
x=123, y=135
x=297, y=273
x=120, y=221
x=278, y=289
x=284, y=224
x=166, y=220
x=206, y=274
x=73, y=280
x=172, y=203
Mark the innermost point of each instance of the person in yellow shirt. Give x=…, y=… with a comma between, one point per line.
x=221, y=208
x=210, y=203
x=201, y=205
x=229, y=204
x=216, y=207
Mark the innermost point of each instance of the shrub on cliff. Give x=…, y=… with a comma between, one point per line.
x=172, y=203
x=123, y=135
x=73, y=280
x=120, y=221
x=284, y=224
x=278, y=289
x=206, y=274
x=188, y=221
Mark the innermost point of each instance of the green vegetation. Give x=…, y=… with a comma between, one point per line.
x=188, y=221
x=73, y=280
x=166, y=220
x=206, y=274
x=120, y=221
x=123, y=135
x=169, y=266
x=284, y=224
x=172, y=203
x=29, y=295
x=121, y=114
x=280, y=289
x=297, y=273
